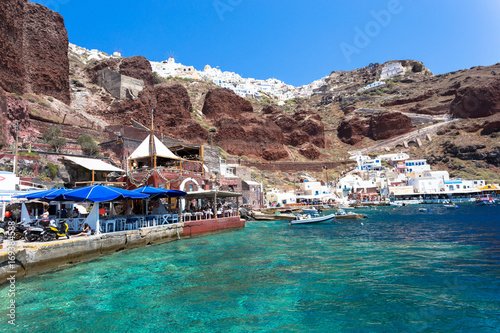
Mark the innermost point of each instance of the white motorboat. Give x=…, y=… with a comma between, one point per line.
x=310, y=210
x=305, y=219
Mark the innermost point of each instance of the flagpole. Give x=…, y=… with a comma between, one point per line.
x=152, y=139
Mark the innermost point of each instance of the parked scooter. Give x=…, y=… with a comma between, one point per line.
x=2, y=234
x=34, y=232
x=19, y=230
x=52, y=232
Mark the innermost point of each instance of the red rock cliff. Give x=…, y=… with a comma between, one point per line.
x=34, y=49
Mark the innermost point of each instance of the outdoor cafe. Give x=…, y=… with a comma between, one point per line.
x=113, y=209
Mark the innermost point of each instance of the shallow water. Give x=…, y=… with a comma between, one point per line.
x=399, y=270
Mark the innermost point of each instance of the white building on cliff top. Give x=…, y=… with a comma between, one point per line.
x=391, y=70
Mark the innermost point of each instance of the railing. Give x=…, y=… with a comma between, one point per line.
x=90, y=183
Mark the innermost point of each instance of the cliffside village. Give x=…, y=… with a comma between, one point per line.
x=142, y=158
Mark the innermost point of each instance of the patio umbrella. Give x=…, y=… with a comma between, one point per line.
x=155, y=192
x=159, y=192
x=48, y=195
x=100, y=193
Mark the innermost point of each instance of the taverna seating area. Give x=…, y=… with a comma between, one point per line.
x=102, y=220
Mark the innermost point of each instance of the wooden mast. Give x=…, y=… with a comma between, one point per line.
x=153, y=152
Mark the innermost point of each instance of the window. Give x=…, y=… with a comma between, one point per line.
x=191, y=188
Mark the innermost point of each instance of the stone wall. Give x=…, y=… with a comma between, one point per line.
x=118, y=85
x=211, y=158
x=296, y=166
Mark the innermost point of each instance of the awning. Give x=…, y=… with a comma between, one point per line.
x=251, y=183
x=487, y=188
x=144, y=149
x=210, y=194
x=93, y=164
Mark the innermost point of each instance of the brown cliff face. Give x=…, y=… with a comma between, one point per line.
x=222, y=101
x=12, y=110
x=34, y=48
x=387, y=125
x=172, y=112
x=477, y=101
x=138, y=68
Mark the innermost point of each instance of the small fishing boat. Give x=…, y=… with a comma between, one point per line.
x=306, y=219
x=310, y=210
x=341, y=215
x=450, y=205
x=486, y=200
x=259, y=216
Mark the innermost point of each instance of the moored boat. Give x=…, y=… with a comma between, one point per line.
x=486, y=200
x=341, y=215
x=271, y=217
x=451, y=205
x=306, y=219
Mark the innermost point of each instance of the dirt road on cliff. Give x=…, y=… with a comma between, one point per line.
x=411, y=136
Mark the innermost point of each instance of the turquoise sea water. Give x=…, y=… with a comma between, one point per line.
x=400, y=270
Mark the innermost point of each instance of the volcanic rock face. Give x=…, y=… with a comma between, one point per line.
x=222, y=101
x=12, y=110
x=138, y=68
x=34, y=48
x=387, y=125
x=241, y=132
x=477, y=101
x=172, y=112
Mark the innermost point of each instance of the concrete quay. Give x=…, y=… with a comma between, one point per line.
x=37, y=257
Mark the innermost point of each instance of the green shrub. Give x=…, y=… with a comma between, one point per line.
x=157, y=78
x=53, y=169
x=88, y=145
x=31, y=98
x=44, y=103
x=52, y=137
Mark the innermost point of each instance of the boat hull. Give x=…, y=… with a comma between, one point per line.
x=272, y=217
x=319, y=219
x=349, y=217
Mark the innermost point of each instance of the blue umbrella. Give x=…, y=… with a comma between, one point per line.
x=100, y=193
x=48, y=195
x=159, y=192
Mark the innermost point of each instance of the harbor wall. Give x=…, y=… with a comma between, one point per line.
x=208, y=226
x=37, y=257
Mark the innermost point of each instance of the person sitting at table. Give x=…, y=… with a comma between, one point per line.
x=45, y=215
x=76, y=213
x=87, y=231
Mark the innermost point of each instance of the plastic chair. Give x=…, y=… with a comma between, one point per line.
x=130, y=224
x=164, y=218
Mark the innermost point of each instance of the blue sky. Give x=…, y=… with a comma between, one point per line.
x=294, y=41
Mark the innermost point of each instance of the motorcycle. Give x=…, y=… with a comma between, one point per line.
x=34, y=232
x=2, y=234
x=52, y=232
x=19, y=231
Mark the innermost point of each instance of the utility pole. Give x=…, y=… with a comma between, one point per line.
x=15, y=154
